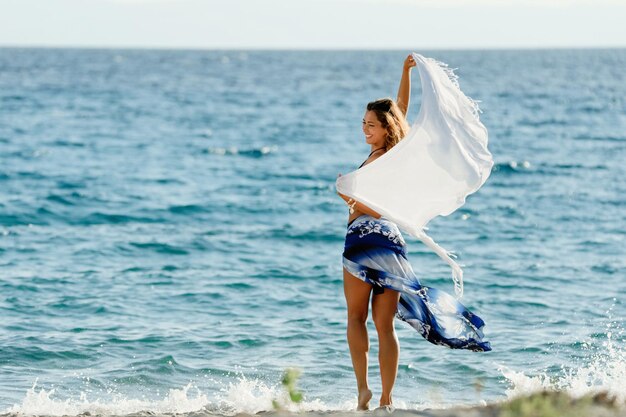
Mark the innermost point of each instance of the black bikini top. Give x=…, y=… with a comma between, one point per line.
x=371, y=153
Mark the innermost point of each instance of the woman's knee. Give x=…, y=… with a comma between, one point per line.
x=357, y=316
x=384, y=323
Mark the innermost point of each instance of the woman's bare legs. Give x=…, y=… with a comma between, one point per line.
x=384, y=308
x=357, y=295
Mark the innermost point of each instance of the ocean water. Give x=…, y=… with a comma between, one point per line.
x=170, y=237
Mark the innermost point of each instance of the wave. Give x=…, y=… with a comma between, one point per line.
x=253, y=397
x=69, y=199
x=66, y=143
x=605, y=138
x=187, y=209
x=249, y=396
x=158, y=247
x=551, y=121
x=113, y=218
x=233, y=150
x=512, y=166
x=39, y=401
x=43, y=216
x=604, y=371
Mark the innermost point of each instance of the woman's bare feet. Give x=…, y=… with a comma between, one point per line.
x=388, y=408
x=364, y=400
x=385, y=401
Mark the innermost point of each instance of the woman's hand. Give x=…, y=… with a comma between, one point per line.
x=339, y=194
x=409, y=63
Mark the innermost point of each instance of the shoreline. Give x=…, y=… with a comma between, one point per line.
x=539, y=404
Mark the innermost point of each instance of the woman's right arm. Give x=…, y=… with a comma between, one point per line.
x=404, y=91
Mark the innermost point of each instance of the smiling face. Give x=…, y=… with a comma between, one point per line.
x=375, y=133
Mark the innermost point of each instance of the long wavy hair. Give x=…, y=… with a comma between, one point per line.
x=391, y=117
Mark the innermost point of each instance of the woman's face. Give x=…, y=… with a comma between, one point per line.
x=375, y=133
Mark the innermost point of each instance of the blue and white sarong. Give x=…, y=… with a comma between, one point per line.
x=375, y=252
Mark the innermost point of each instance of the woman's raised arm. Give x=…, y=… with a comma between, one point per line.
x=404, y=91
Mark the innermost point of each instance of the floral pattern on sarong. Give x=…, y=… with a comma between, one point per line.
x=370, y=226
x=375, y=253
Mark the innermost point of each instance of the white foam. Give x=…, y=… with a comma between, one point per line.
x=253, y=396
x=40, y=401
x=245, y=396
x=603, y=370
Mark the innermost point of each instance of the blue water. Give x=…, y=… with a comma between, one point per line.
x=170, y=238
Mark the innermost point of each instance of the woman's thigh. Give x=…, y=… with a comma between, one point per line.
x=357, y=295
x=384, y=307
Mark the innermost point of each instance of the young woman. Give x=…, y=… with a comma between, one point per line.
x=374, y=257
x=384, y=125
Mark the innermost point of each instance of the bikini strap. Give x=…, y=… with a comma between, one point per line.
x=371, y=153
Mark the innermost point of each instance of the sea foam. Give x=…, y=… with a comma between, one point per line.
x=248, y=396
x=39, y=401
x=604, y=370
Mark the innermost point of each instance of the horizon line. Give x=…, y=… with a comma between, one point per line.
x=310, y=49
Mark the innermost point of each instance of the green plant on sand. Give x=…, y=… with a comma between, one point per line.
x=290, y=378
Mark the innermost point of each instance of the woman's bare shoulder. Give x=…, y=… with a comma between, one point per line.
x=374, y=157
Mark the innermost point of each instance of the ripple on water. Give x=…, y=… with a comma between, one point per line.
x=157, y=247
x=512, y=167
x=249, y=152
x=21, y=355
x=188, y=209
x=112, y=218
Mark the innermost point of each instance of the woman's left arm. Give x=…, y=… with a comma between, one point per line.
x=404, y=91
x=357, y=206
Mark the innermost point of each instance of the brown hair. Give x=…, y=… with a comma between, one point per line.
x=391, y=117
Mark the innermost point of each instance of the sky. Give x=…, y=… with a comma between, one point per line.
x=314, y=24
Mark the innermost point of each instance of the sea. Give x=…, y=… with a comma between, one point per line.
x=171, y=237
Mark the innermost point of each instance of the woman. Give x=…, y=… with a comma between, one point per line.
x=375, y=261
x=384, y=125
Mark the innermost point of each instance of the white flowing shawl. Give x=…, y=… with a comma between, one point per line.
x=429, y=173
